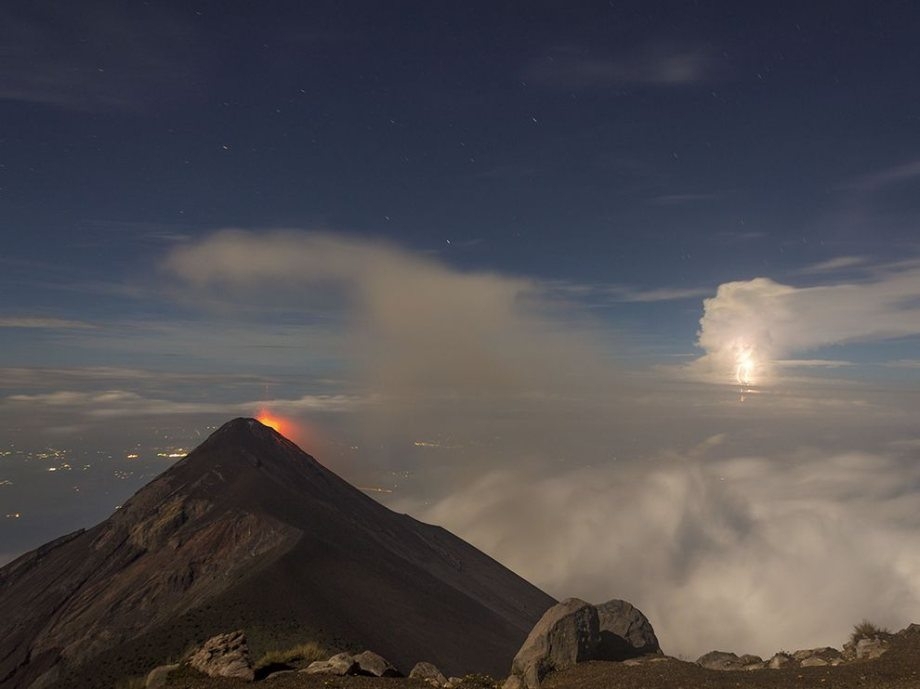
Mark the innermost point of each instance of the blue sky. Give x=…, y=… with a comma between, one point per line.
x=485, y=255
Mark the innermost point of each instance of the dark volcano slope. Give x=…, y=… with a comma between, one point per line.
x=248, y=531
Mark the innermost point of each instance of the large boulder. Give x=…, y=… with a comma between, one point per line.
x=568, y=633
x=224, y=655
x=625, y=632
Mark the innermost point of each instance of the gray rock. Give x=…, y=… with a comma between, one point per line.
x=374, y=665
x=720, y=660
x=866, y=649
x=340, y=664
x=429, y=673
x=454, y=682
x=781, y=660
x=625, y=632
x=568, y=633
x=813, y=661
x=849, y=650
x=224, y=655
x=156, y=678
x=513, y=682
x=824, y=652
x=280, y=673
x=810, y=657
x=748, y=659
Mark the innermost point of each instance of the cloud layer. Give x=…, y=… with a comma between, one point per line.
x=745, y=553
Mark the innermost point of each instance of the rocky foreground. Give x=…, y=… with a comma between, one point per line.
x=898, y=668
x=575, y=645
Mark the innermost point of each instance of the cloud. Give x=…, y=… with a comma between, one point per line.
x=416, y=326
x=43, y=323
x=881, y=179
x=594, y=294
x=746, y=553
x=662, y=294
x=123, y=403
x=903, y=363
x=834, y=264
x=812, y=363
x=46, y=376
x=658, y=64
x=764, y=320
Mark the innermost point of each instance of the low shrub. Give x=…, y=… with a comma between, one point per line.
x=867, y=630
x=304, y=653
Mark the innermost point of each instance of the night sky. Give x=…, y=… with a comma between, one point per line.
x=651, y=263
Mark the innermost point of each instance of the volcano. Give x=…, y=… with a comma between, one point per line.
x=250, y=532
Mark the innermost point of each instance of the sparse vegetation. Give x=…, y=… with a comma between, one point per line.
x=304, y=654
x=867, y=630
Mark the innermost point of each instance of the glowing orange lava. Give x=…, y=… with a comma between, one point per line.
x=275, y=422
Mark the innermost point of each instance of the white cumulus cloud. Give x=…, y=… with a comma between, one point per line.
x=774, y=321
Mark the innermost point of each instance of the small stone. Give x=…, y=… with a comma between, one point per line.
x=513, y=682
x=340, y=664
x=374, y=665
x=224, y=655
x=825, y=653
x=780, y=660
x=719, y=660
x=813, y=661
x=866, y=649
x=280, y=673
x=428, y=672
